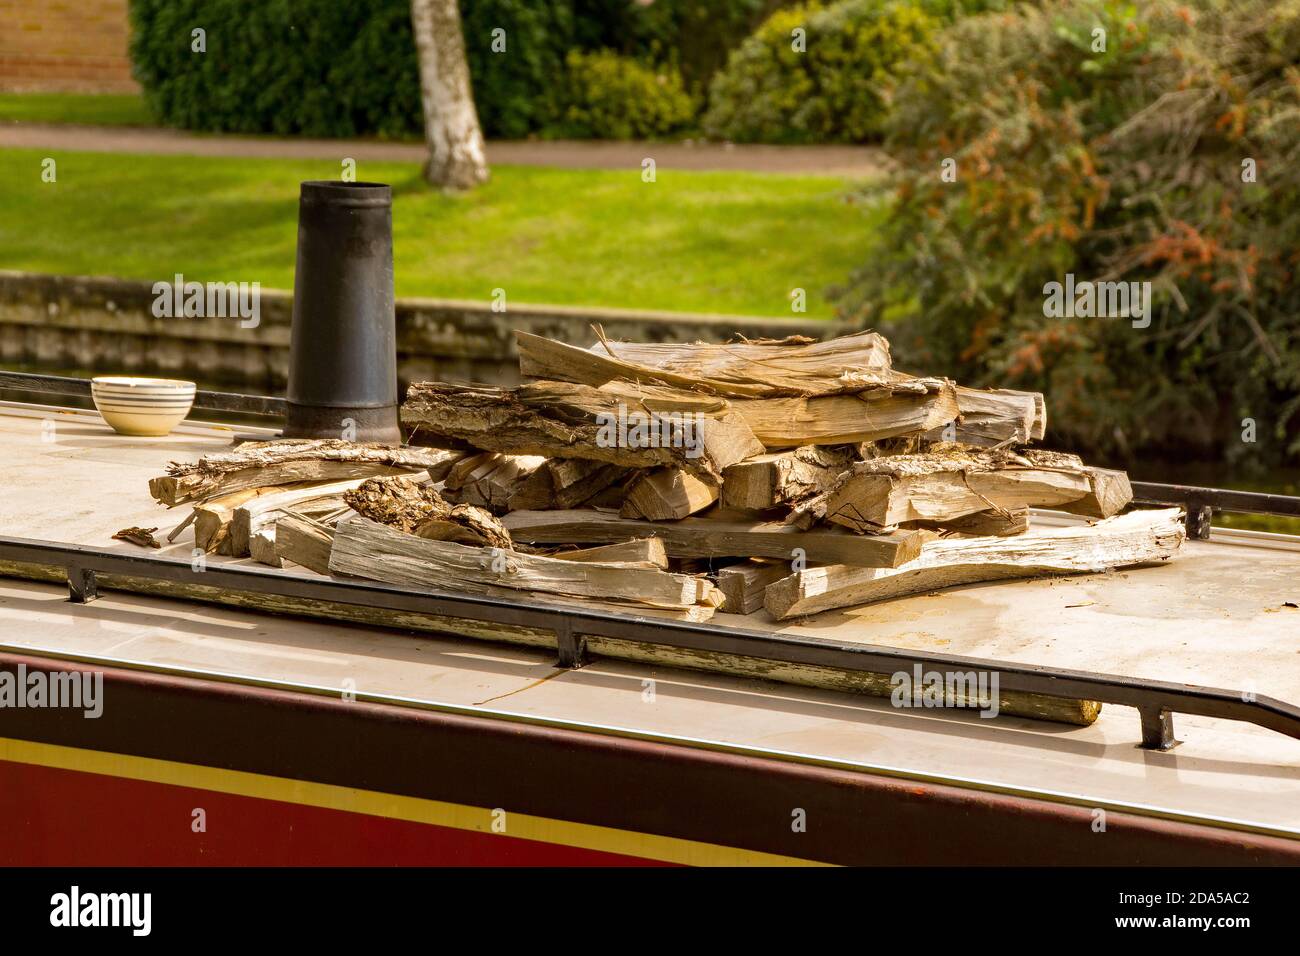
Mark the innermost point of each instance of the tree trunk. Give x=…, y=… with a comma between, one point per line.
x=457, y=158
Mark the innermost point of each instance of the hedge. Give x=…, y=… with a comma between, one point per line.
x=325, y=68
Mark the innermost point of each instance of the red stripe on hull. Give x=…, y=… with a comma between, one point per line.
x=58, y=817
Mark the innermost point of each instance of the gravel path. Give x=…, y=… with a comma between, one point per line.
x=825, y=160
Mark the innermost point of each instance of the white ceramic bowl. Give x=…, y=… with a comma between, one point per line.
x=142, y=406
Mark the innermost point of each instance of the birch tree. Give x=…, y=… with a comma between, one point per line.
x=457, y=159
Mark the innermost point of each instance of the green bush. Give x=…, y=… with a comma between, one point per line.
x=616, y=97
x=695, y=36
x=323, y=68
x=1122, y=164
x=832, y=91
x=513, y=90
x=310, y=67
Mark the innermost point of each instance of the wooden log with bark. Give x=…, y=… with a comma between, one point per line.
x=416, y=508
x=289, y=461
x=563, y=420
x=1139, y=537
x=367, y=549
x=719, y=537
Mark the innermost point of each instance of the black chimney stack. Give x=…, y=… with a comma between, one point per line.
x=343, y=347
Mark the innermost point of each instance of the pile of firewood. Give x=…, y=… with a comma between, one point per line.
x=676, y=480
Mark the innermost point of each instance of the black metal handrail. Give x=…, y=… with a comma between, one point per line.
x=213, y=401
x=1201, y=503
x=1156, y=701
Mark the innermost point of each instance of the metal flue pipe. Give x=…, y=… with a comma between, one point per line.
x=343, y=344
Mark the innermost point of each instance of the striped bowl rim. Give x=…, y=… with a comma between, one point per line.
x=130, y=384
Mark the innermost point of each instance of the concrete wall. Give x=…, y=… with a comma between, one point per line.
x=106, y=326
x=73, y=46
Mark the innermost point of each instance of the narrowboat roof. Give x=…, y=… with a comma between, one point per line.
x=1222, y=614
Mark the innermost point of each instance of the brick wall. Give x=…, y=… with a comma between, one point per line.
x=65, y=46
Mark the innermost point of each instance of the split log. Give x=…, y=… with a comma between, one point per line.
x=366, y=549
x=984, y=523
x=262, y=511
x=288, y=461
x=901, y=408
x=302, y=541
x=556, y=419
x=646, y=552
x=564, y=483
x=994, y=416
x=794, y=366
x=1140, y=537
x=262, y=549
x=710, y=537
x=418, y=509
x=666, y=495
x=489, y=480
x=783, y=478
x=946, y=483
x=1109, y=492
x=212, y=519
x=742, y=585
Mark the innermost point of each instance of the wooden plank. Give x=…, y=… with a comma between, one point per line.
x=713, y=538
x=366, y=549
x=1139, y=537
x=287, y=461
x=563, y=420
x=776, y=479
x=667, y=494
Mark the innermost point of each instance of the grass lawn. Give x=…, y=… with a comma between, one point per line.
x=692, y=241
x=90, y=109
